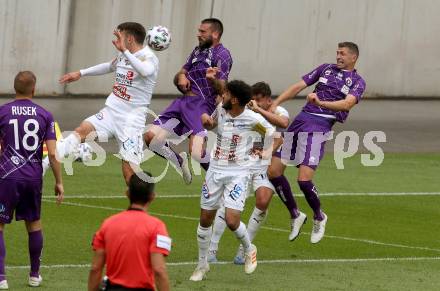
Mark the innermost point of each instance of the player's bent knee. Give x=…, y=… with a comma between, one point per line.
x=84, y=130
x=273, y=173
x=32, y=226
x=232, y=222
x=148, y=137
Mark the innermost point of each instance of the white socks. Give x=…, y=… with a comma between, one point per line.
x=218, y=229
x=242, y=234
x=45, y=164
x=68, y=145
x=257, y=218
x=203, y=238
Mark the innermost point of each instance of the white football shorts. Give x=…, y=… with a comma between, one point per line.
x=228, y=188
x=126, y=127
x=259, y=179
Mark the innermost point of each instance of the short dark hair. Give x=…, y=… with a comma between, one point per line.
x=216, y=24
x=239, y=90
x=24, y=82
x=139, y=190
x=135, y=29
x=351, y=46
x=261, y=88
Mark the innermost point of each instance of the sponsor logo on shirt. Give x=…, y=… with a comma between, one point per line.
x=235, y=193
x=121, y=92
x=323, y=80
x=128, y=144
x=205, y=190
x=163, y=242
x=52, y=127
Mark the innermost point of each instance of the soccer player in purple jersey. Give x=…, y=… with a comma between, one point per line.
x=24, y=127
x=201, y=79
x=339, y=87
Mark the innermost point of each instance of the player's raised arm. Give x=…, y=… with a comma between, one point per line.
x=290, y=93
x=181, y=81
x=143, y=67
x=56, y=168
x=217, y=84
x=97, y=70
x=275, y=119
x=208, y=121
x=339, y=105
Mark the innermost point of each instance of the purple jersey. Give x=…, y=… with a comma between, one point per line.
x=24, y=126
x=333, y=84
x=196, y=65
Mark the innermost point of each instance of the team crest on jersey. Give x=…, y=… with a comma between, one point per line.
x=99, y=115
x=15, y=160
x=348, y=81
x=327, y=72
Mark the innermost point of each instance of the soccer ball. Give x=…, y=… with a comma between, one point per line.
x=158, y=38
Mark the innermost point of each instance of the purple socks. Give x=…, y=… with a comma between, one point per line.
x=283, y=190
x=2, y=257
x=311, y=194
x=35, y=249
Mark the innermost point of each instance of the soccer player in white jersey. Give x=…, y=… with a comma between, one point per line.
x=124, y=115
x=260, y=103
x=228, y=176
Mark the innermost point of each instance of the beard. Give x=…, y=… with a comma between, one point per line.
x=227, y=105
x=204, y=44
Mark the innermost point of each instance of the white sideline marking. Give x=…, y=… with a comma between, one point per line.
x=368, y=241
x=264, y=227
x=305, y=261
x=329, y=194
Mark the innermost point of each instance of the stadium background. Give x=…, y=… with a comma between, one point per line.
x=276, y=41
x=383, y=227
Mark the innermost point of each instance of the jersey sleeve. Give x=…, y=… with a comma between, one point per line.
x=50, y=128
x=224, y=63
x=358, y=89
x=188, y=63
x=313, y=77
x=160, y=241
x=262, y=126
x=281, y=111
x=98, y=242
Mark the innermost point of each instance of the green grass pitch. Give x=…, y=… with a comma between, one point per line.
x=373, y=242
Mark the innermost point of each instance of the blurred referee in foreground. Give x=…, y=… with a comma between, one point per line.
x=133, y=245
